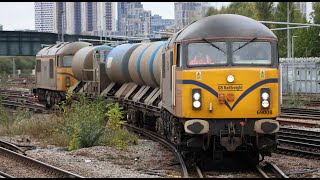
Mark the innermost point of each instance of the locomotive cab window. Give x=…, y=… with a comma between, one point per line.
x=65, y=61
x=255, y=53
x=208, y=53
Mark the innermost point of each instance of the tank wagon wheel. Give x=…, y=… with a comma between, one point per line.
x=160, y=126
x=131, y=116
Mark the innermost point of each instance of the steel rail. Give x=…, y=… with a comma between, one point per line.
x=5, y=175
x=53, y=169
x=271, y=167
x=154, y=136
x=11, y=147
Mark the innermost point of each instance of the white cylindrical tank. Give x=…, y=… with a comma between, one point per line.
x=117, y=63
x=150, y=66
x=134, y=63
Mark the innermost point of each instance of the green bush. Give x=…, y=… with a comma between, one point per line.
x=115, y=135
x=84, y=121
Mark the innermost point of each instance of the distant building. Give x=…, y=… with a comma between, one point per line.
x=159, y=24
x=122, y=9
x=302, y=6
x=133, y=20
x=59, y=15
x=1, y=27
x=44, y=16
x=98, y=17
x=186, y=12
x=75, y=17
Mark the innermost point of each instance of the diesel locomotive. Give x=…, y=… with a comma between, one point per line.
x=211, y=88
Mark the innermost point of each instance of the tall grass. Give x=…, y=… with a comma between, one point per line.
x=77, y=124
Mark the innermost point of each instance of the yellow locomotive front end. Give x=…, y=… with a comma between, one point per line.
x=226, y=94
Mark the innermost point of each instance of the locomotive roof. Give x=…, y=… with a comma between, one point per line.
x=225, y=25
x=62, y=48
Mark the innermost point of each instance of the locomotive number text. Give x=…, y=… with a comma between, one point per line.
x=264, y=111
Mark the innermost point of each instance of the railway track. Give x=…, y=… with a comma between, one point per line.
x=300, y=113
x=299, y=142
x=270, y=170
x=21, y=99
x=156, y=137
x=5, y=175
x=299, y=117
x=13, y=164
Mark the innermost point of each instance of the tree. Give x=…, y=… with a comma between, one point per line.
x=263, y=11
x=313, y=37
x=307, y=40
x=240, y=8
x=281, y=16
x=212, y=11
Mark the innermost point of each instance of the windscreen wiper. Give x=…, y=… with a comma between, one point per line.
x=212, y=45
x=245, y=44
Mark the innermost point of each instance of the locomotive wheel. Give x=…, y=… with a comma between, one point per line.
x=48, y=99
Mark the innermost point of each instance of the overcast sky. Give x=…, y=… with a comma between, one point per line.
x=20, y=15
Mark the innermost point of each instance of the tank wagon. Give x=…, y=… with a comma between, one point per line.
x=212, y=88
x=88, y=66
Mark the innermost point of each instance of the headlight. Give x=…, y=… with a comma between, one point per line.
x=196, y=104
x=265, y=103
x=196, y=96
x=230, y=78
x=265, y=97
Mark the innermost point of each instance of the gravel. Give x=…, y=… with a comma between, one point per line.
x=147, y=159
x=138, y=161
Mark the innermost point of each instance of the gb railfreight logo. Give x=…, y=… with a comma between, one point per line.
x=228, y=87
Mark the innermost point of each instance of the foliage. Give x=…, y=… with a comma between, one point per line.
x=24, y=63
x=9, y=120
x=293, y=101
x=115, y=135
x=241, y=8
x=79, y=124
x=115, y=116
x=84, y=121
x=89, y=123
x=307, y=43
x=263, y=11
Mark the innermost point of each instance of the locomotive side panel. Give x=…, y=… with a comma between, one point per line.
x=46, y=76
